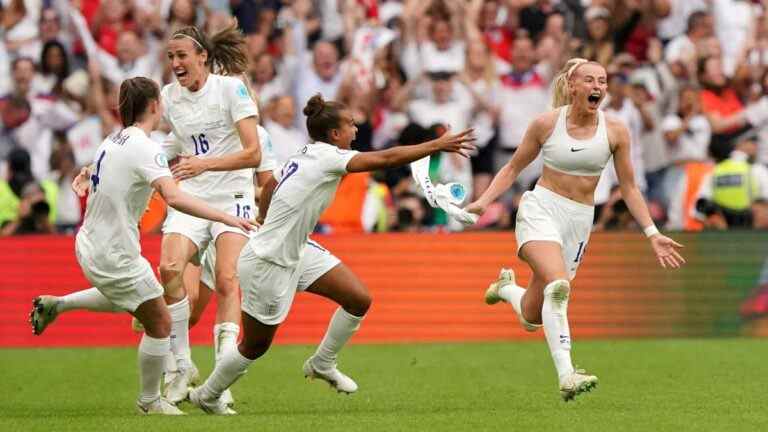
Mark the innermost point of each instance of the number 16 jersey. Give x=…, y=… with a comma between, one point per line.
x=203, y=123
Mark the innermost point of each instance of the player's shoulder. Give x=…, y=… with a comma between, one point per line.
x=614, y=124
x=170, y=91
x=543, y=125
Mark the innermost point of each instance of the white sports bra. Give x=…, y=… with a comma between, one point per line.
x=572, y=156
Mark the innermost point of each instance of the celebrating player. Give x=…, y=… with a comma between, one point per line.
x=214, y=122
x=127, y=167
x=280, y=259
x=555, y=219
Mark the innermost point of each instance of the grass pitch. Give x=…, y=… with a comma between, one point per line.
x=648, y=385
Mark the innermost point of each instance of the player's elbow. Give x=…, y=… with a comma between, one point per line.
x=253, y=156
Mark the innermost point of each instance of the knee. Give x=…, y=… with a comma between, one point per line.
x=158, y=327
x=226, y=284
x=170, y=270
x=359, y=303
x=253, y=349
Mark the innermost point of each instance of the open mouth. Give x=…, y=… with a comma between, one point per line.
x=180, y=73
x=594, y=98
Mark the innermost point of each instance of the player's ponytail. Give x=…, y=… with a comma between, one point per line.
x=135, y=95
x=322, y=116
x=225, y=49
x=561, y=96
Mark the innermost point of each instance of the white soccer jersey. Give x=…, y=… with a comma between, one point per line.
x=203, y=123
x=268, y=161
x=306, y=186
x=125, y=165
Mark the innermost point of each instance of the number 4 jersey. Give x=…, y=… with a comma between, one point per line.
x=203, y=123
x=126, y=164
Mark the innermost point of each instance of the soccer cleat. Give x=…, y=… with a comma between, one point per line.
x=43, y=313
x=227, y=398
x=159, y=406
x=178, y=388
x=576, y=383
x=215, y=407
x=334, y=378
x=137, y=326
x=506, y=277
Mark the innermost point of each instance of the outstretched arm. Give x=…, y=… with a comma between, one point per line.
x=663, y=246
x=527, y=151
x=396, y=156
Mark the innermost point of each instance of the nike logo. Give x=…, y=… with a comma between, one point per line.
x=577, y=150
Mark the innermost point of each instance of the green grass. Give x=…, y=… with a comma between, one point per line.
x=677, y=385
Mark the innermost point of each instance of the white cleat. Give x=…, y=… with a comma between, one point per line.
x=334, y=378
x=159, y=406
x=227, y=398
x=577, y=383
x=215, y=406
x=506, y=277
x=43, y=313
x=178, y=389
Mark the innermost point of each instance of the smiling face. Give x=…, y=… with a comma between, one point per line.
x=187, y=62
x=588, y=85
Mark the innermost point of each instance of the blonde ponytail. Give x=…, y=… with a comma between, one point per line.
x=561, y=96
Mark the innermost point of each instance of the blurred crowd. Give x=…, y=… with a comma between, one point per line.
x=688, y=77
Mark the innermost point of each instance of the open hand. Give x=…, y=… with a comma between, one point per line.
x=665, y=250
x=461, y=143
x=188, y=167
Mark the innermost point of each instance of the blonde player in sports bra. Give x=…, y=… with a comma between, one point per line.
x=214, y=122
x=555, y=219
x=280, y=259
x=128, y=166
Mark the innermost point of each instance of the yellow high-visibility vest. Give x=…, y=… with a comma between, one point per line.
x=733, y=187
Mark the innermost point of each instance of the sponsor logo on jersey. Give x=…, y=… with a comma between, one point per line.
x=242, y=92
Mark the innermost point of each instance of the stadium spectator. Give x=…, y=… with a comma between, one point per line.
x=25, y=204
x=287, y=139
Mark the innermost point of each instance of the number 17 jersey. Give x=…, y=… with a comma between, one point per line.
x=203, y=123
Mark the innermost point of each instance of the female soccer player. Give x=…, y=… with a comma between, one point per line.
x=554, y=220
x=280, y=259
x=127, y=167
x=214, y=122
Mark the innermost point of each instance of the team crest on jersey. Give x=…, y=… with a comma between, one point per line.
x=242, y=91
x=161, y=160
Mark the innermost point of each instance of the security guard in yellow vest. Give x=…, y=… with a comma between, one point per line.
x=734, y=186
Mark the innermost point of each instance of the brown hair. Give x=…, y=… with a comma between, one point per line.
x=135, y=95
x=322, y=116
x=225, y=48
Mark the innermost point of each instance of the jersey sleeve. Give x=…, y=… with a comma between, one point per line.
x=171, y=146
x=151, y=162
x=239, y=101
x=268, y=162
x=335, y=160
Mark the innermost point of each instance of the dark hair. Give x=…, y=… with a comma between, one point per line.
x=322, y=116
x=695, y=19
x=46, y=69
x=20, y=167
x=135, y=95
x=225, y=48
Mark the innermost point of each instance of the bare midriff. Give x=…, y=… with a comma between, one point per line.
x=576, y=188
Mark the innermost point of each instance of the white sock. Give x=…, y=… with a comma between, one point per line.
x=170, y=362
x=224, y=337
x=513, y=294
x=230, y=367
x=342, y=326
x=180, y=333
x=554, y=315
x=152, y=354
x=90, y=299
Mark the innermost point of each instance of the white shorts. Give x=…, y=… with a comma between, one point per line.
x=546, y=216
x=126, y=292
x=202, y=231
x=268, y=289
x=207, y=267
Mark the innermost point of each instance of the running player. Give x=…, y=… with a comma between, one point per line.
x=214, y=122
x=281, y=260
x=127, y=167
x=555, y=219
